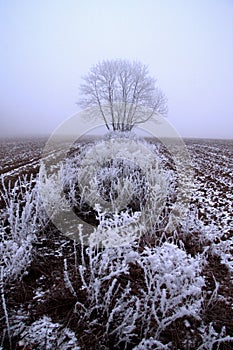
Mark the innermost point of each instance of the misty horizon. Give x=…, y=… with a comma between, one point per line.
x=46, y=48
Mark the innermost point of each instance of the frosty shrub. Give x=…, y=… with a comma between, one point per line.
x=44, y=334
x=121, y=177
x=21, y=218
x=173, y=286
x=120, y=229
x=53, y=201
x=168, y=287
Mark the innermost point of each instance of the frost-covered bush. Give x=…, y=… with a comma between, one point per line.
x=131, y=295
x=44, y=334
x=15, y=257
x=49, y=186
x=21, y=217
x=119, y=229
x=173, y=286
x=123, y=179
x=169, y=288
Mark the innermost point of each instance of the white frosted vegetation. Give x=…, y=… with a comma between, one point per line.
x=122, y=181
x=21, y=219
x=171, y=289
x=45, y=334
x=133, y=281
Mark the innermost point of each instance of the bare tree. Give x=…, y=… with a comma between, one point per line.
x=123, y=92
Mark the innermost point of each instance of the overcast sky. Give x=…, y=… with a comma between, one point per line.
x=47, y=46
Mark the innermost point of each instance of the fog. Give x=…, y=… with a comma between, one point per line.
x=47, y=46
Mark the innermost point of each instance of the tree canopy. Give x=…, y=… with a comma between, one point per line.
x=123, y=92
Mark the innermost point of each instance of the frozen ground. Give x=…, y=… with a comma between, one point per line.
x=160, y=292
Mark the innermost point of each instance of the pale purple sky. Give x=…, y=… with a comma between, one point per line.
x=46, y=46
